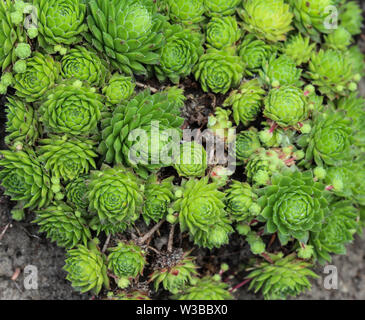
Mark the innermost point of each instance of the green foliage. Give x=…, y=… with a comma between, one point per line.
x=22, y=123
x=86, y=269
x=264, y=163
x=286, y=276
x=119, y=89
x=246, y=102
x=267, y=19
x=293, y=205
x=219, y=7
x=287, y=106
x=40, y=75
x=60, y=22
x=310, y=17
x=158, y=196
x=76, y=193
x=84, y=64
x=241, y=201
x=128, y=32
x=247, y=142
x=201, y=212
x=219, y=70
x=280, y=71
x=177, y=275
x=126, y=261
x=67, y=158
x=254, y=53
x=192, y=161
x=331, y=71
x=115, y=195
x=299, y=49
x=329, y=140
x=222, y=32
x=207, y=288
x=338, y=230
x=63, y=225
x=186, y=12
x=72, y=108
x=351, y=17
x=180, y=54
x=10, y=34
x=25, y=179
x=142, y=112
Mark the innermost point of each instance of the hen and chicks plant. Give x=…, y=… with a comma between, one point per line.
x=95, y=96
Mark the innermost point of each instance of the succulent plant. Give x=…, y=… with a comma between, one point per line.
x=220, y=125
x=10, y=35
x=201, y=212
x=22, y=124
x=241, y=201
x=311, y=16
x=264, y=163
x=67, y=158
x=254, y=53
x=222, y=32
x=63, y=225
x=83, y=64
x=72, y=108
x=158, y=197
x=207, y=288
x=337, y=231
x=142, y=112
x=257, y=245
x=357, y=60
x=41, y=74
x=354, y=108
x=174, y=271
x=339, y=39
x=220, y=8
x=128, y=32
x=119, y=89
x=126, y=261
x=180, y=54
x=331, y=71
x=351, y=17
x=186, y=12
x=267, y=19
x=293, y=205
x=287, y=106
x=219, y=70
x=346, y=180
x=330, y=139
x=280, y=71
x=192, y=160
x=76, y=193
x=115, y=195
x=25, y=179
x=246, y=102
x=286, y=276
x=247, y=142
x=299, y=49
x=86, y=268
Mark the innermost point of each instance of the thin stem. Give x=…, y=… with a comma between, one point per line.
x=171, y=239
x=142, y=85
x=106, y=243
x=239, y=285
x=150, y=233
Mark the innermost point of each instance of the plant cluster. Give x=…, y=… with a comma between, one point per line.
x=75, y=104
